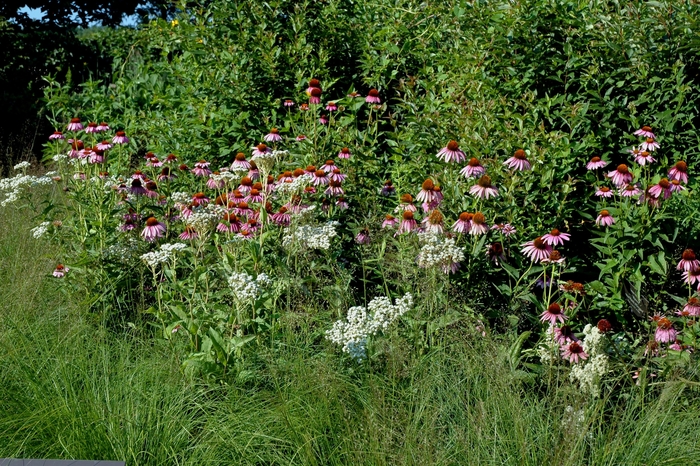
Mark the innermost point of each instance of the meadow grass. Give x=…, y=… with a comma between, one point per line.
x=71, y=389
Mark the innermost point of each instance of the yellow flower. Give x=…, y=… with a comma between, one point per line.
x=174, y=23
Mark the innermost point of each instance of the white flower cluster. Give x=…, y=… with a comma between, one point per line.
x=590, y=373
x=59, y=157
x=312, y=236
x=22, y=165
x=123, y=252
x=245, y=287
x=295, y=186
x=363, y=323
x=225, y=176
x=40, y=230
x=162, y=255
x=11, y=188
x=266, y=160
x=204, y=218
x=573, y=421
x=438, y=251
x=548, y=350
x=180, y=197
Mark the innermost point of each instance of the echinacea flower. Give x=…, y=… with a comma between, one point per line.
x=328, y=166
x=478, y=225
x=643, y=158
x=564, y=335
x=153, y=230
x=662, y=187
x=60, y=271
x=518, y=161
x=373, y=97
x=665, y=333
x=604, y=218
x=621, y=175
x=334, y=188
x=495, y=253
x=676, y=186
x=166, y=174
x=229, y=223
x=555, y=257
x=151, y=189
x=103, y=127
x=313, y=83
x=464, y=223
x=342, y=203
x=650, y=145
x=246, y=185
x=389, y=221
x=75, y=124
x=408, y=224
x=691, y=276
x=645, y=131
x=688, y=261
x=604, y=326
x=261, y=150
x=344, y=153
x=631, y=190
x=362, y=236
x=483, y=188
x=679, y=172
x=281, y=217
x=300, y=138
x=573, y=352
x=288, y=103
x=473, y=169
x=387, y=190
x=451, y=153
x=405, y=203
x=426, y=192
x=91, y=128
x=120, y=138
x=201, y=168
x=596, y=163
x=556, y=237
x=273, y=136
x=320, y=178
x=323, y=119
x=137, y=188
x=434, y=222
x=604, y=191
x=240, y=161
x=315, y=95
x=506, y=229
x=692, y=308
x=56, y=136
x=553, y=314
x=536, y=250
x=331, y=107
x=171, y=158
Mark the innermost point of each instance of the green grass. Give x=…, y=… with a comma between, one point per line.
x=69, y=389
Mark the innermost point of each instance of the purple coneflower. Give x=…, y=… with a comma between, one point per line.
x=692, y=308
x=254, y=197
x=676, y=186
x=621, y=175
x=691, y=276
x=478, y=225
x=389, y=221
x=154, y=162
x=313, y=83
x=405, y=203
x=153, y=230
x=75, y=124
x=334, y=188
x=650, y=145
x=645, y=131
x=323, y=119
x=320, y=178
x=96, y=156
x=60, y=271
x=463, y=223
x=328, y=166
x=573, y=352
x=281, y=218
x=373, y=97
x=518, y=161
x=604, y=218
x=388, y=189
x=688, y=261
x=166, y=174
x=229, y=224
x=151, y=189
x=362, y=236
x=662, y=187
x=243, y=209
x=104, y=145
x=553, y=314
x=315, y=95
x=483, y=188
x=354, y=95
x=246, y=185
x=240, y=161
x=103, y=127
x=341, y=203
x=679, y=172
x=564, y=335
x=57, y=135
x=604, y=191
x=556, y=237
x=261, y=150
x=120, y=138
x=214, y=184
x=631, y=190
x=555, y=257
x=91, y=128
x=536, y=250
x=643, y=158
x=171, y=158
x=201, y=168
x=200, y=199
x=665, y=333
x=408, y=224
x=289, y=103
x=137, y=188
x=596, y=163
x=128, y=225
x=273, y=136
x=496, y=253
x=451, y=153
x=300, y=138
x=433, y=223
x=344, y=153
x=426, y=192
x=473, y=169
x=245, y=233
x=506, y=229
x=189, y=233
x=331, y=107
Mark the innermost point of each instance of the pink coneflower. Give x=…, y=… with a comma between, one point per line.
x=473, y=169
x=323, y=119
x=536, y=250
x=328, y=166
x=506, y=229
x=76, y=147
x=315, y=95
x=138, y=175
x=254, y=197
x=200, y=199
x=281, y=218
x=691, y=276
x=676, y=186
x=331, y=107
x=154, y=162
x=495, y=253
x=621, y=175
x=433, y=223
x=103, y=127
x=313, y=83
x=91, y=128
x=103, y=146
x=151, y=189
x=245, y=233
x=354, y=95
x=240, y=161
x=483, y=188
x=478, y=225
x=214, y=184
x=189, y=233
x=120, y=138
x=650, y=145
x=596, y=163
x=300, y=138
x=679, y=172
x=665, y=333
x=573, y=352
x=604, y=191
x=388, y=189
x=643, y=158
x=389, y=221
x=556, y=238
x=344, y=153
x=426, y=192
x=604, y=326
x=688, y=261
x=604, y=218
x=334, y=189
x=273, y=136
x=246, y=185
x=289, y=103
x=229, y=224
x=252, y=224
x=166, y=174
x=153, y=230
x=137, y=188
x=75, y=124
x=96, y=156
x=405, y=203
x=309, y=190
x=630, y=190
x=662, y=187
x=128, y=225
x=518, y=161
x=171, y=158
x=362, y=236
x=555, y=257
x=645, y=131
x=463, y=223
x=320, y=177
x=553, y=314
x=408, y=224
x=692, y=308
x=60, y=271
x=564, y=335
x=649, y=199
x=201, y=168
x=57, y=135
x=451, y=153
x=243, y=209
x=373, y=97
x=261, y=150
x=342, y=204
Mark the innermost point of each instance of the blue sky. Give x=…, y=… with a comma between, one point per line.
x=35, y=13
